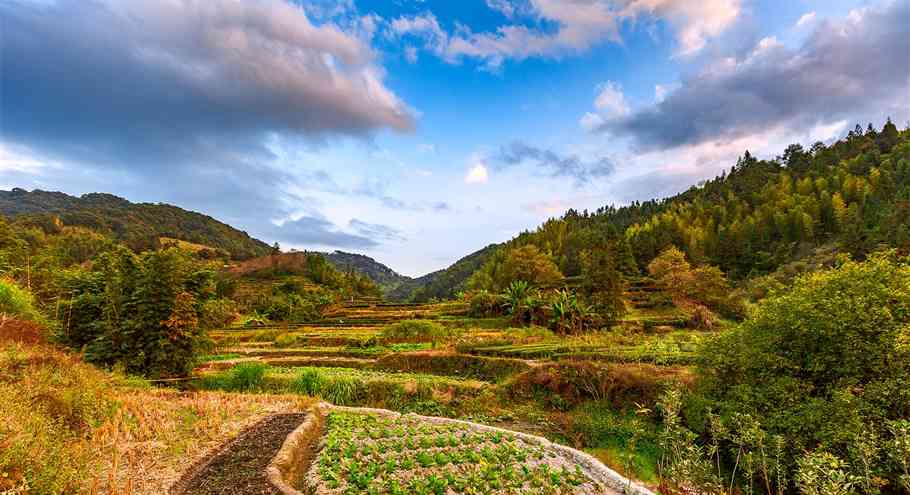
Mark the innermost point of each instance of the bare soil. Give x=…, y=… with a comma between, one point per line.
x=238, y=468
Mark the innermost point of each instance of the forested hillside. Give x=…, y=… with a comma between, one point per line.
x=443, y=284
x=139, y=225
x=852, y=195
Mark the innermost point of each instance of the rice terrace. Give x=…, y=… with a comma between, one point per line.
x=435, y=247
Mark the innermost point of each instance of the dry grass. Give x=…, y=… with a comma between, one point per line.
x=67, y=427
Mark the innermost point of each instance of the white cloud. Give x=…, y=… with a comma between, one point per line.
x=662, y=90
x=806, y=19
x=410, y=54
x=426, y=148
x=580, y=24
x=478, y=173
x=504, y=7
x=591, y=121
x=610, y=103
x=779, y=85
x=423, y=172
x=695, y=21
x=19, y=159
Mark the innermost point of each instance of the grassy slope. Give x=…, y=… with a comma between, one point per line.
x=66, y=426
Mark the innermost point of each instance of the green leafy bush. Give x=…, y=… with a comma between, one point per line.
x=246, y=377
x=16, y=302
x=484, y=304
x=825, y=365
x=308, y=382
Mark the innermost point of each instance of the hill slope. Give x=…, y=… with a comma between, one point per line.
x=386, y=278
x=853, y=194
x=443, y=284
x=140, y=225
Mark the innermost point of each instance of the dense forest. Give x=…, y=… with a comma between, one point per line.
x=852, y=195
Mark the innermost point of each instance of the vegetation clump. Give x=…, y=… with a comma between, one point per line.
x=414, y=331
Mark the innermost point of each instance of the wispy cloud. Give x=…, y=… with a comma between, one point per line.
x=806, y=19
x=580, y=24
x=554, y=164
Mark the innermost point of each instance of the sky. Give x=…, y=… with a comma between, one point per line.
x=418, y=131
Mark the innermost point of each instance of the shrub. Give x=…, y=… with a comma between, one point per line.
x=484, y=304
x=139, y=312
x=823, y=365
x=341, y=390
x=414, y=331
x=246, y=377
x=217, y=313
x=821, y=473
x=285, y=340
x=573, y=382
x=308, y=382
x=705, y=285
x=16, y=302
x=568, y=315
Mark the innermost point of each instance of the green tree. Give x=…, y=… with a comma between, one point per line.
x=823, y=363
x=602, y=284
x=526, y=263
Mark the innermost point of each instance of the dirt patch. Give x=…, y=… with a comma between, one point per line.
x=239, y=468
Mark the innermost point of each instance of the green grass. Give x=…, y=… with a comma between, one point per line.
x=608, y=433
x=208, y=358
x=347, y=386
x=411, y=331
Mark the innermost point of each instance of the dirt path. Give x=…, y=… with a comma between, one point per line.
x=238, y=468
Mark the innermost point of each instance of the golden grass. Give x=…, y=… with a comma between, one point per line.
x=67, y=427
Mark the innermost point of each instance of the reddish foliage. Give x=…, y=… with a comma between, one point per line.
x=26, y=332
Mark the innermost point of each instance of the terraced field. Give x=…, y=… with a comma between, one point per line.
x=434, y=360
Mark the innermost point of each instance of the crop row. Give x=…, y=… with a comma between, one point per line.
x=364, y=453
x=481, y=478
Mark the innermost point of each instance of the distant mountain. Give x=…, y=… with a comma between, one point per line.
x=444, y=284
x=139, y=225
x=441, y=284
x=387, y=279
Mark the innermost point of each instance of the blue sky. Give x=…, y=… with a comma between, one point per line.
x=419, y=131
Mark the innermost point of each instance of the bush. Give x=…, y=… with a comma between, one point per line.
x=246, y=377
x=573, y=382
x=414, y=331
x=137, y=311
x=308, y=382
x=285, y=340
x=484, y=304
x=342, y=390
x=217, y=313
x=824, y=365
x=16, y=302
x=705, y=285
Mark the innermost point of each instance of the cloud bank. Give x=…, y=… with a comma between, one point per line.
x=160, y=96
x=856, y=66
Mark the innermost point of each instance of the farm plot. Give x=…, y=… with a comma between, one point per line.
x=371, y=452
